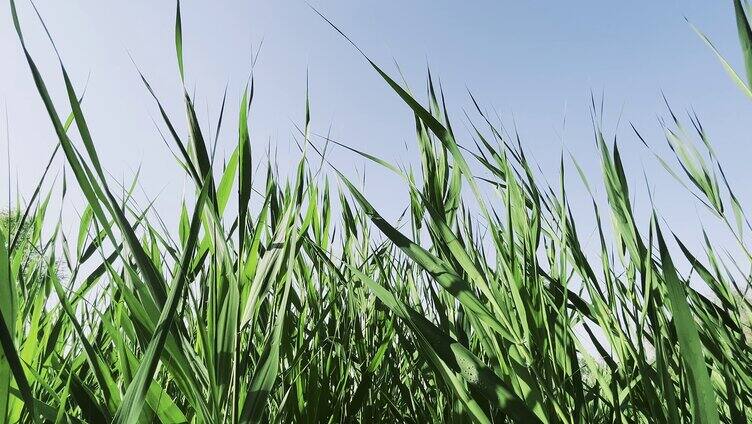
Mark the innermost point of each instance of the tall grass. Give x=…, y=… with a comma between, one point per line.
x=482, y=310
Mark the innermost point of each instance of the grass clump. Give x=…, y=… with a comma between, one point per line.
x=283, y=312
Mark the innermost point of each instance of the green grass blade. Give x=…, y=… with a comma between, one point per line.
x=704, y=400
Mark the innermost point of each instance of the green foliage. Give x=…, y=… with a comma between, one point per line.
x=278, y=311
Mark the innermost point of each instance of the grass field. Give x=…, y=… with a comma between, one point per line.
x=266, y=306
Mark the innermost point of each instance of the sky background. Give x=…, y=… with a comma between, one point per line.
x=535, y=62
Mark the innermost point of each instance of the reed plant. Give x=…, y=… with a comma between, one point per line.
x=481, y=305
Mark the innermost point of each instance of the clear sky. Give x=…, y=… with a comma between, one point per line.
x=534, y=61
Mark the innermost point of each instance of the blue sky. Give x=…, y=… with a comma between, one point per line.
x=535, y=62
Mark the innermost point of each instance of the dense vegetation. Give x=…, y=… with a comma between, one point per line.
x=266, y=307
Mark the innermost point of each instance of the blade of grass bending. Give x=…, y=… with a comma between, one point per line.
x=726, y=65
x=49, y=106
x=84, y=176
x=690, y=346
x=154, y=280
x=191, y=168
x=133, y=402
